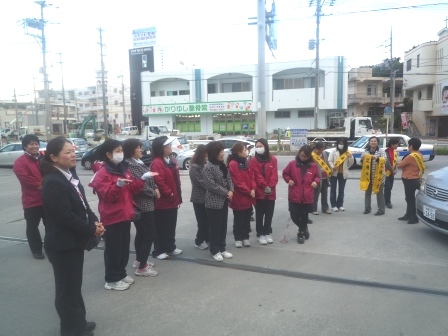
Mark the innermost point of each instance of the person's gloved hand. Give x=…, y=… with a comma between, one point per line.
x=122, y=182
x=146, y=176
x=267, y=190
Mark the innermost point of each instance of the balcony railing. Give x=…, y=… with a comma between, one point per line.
x=364, y=99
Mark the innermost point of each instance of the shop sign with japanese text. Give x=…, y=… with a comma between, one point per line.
x=197, y=108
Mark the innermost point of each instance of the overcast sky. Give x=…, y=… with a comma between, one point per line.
x=206, y=33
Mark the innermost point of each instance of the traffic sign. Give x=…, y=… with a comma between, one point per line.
x=387, y=112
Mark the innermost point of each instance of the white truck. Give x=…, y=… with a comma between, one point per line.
x=354, y=127
x=152, y=131
x=39, y=131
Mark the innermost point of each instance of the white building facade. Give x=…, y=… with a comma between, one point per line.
x=425, y=77
x=224, y=100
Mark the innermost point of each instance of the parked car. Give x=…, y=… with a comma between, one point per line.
x=184, y=142
x=12, y=151
x=89, y=158
x=432, y=201
x=359, y=146
x=130, y=130
x=184, y=159
x=80, y=146
x=229, y=142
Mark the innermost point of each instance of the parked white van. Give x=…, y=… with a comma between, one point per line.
x=130, y=130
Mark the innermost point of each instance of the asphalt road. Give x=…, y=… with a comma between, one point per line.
x=357, y=275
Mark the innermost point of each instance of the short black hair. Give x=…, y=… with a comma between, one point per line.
x=415, y=143
x=157, y=147
x=392, y=141
x=29, y=138
x=319, y=145
x=129, y=147
x=108, y=146
x=213, y=150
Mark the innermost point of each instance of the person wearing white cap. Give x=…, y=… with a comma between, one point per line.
x=168, y=182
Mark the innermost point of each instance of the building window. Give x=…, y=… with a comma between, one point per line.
x=153, y=93
x=236, y=87
x=211, y=88
x=306, y=114
x=116, y=102
x=115, y=90
x=296, y=83
x=79, y=93
x=418, y=61
x=429, y=92
x=121, y=103
x=171, y=93
x=409, y=65
x=86, y=93
x=120, y=92
x=93, y=92
x=282, y=114
x=161, y=93
x=371, y=90
x=184, y=92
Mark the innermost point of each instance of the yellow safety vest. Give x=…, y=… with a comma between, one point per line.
x=393, y=163
x=420, y=163
x=321, y=163
x=365, y=173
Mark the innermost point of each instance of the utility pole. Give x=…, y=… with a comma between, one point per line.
x=392, y=87
x=319, y=4
x=17, y=115
x=261, y=108
x=106, y=122
x=63, y=95
x=39, y=24
x=122, y=97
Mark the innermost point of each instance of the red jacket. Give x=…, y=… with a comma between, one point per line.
x=27, y=170
x=168, y=182
x=302, y=191
x=243, y=184
x=264, y=177
x=115, y=203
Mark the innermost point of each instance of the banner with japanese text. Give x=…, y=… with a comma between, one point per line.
x=198, y=108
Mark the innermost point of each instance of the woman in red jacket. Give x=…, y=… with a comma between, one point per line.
x=302, y=177
x=243, y=194
x=115, y=186
x=168, y=182
x=265, y=175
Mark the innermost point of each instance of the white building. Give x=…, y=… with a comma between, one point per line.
x=425, y=76
x=224, y=100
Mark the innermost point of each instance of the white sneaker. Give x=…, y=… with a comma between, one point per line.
x=218, y=257
x=269, y=239
x=335, y=209
x=163, y=256
x=226, y=255
x=175, y=252
x=119, y=285
x=238, y=243
x=136, y=264
x=262, y=240
x=315, y=213
x=341, y=209
x=203, y=246
x=128, y=280
x=246, y=243
x=147, y=271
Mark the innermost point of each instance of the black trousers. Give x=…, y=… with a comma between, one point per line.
x=116, y=250
x=410, y=187
x=321, y=190
x=144, y=237
x=299, y=215
x=241, y=223
x=68, y=268
x=217, y=223
x=166, y=221
x=388, y=185
x=264, y=211
x=33, y=216
x=201, y=218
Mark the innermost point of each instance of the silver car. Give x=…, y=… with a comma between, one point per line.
x=432, y=201
x=12, y=151
x=80, y=146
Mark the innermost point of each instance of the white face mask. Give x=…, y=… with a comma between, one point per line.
x=259, y=150
x=117, y=158
x=341, y=146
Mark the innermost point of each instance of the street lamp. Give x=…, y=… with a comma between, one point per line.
x=122, y=96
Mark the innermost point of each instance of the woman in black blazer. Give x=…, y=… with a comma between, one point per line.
x=71, y=224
